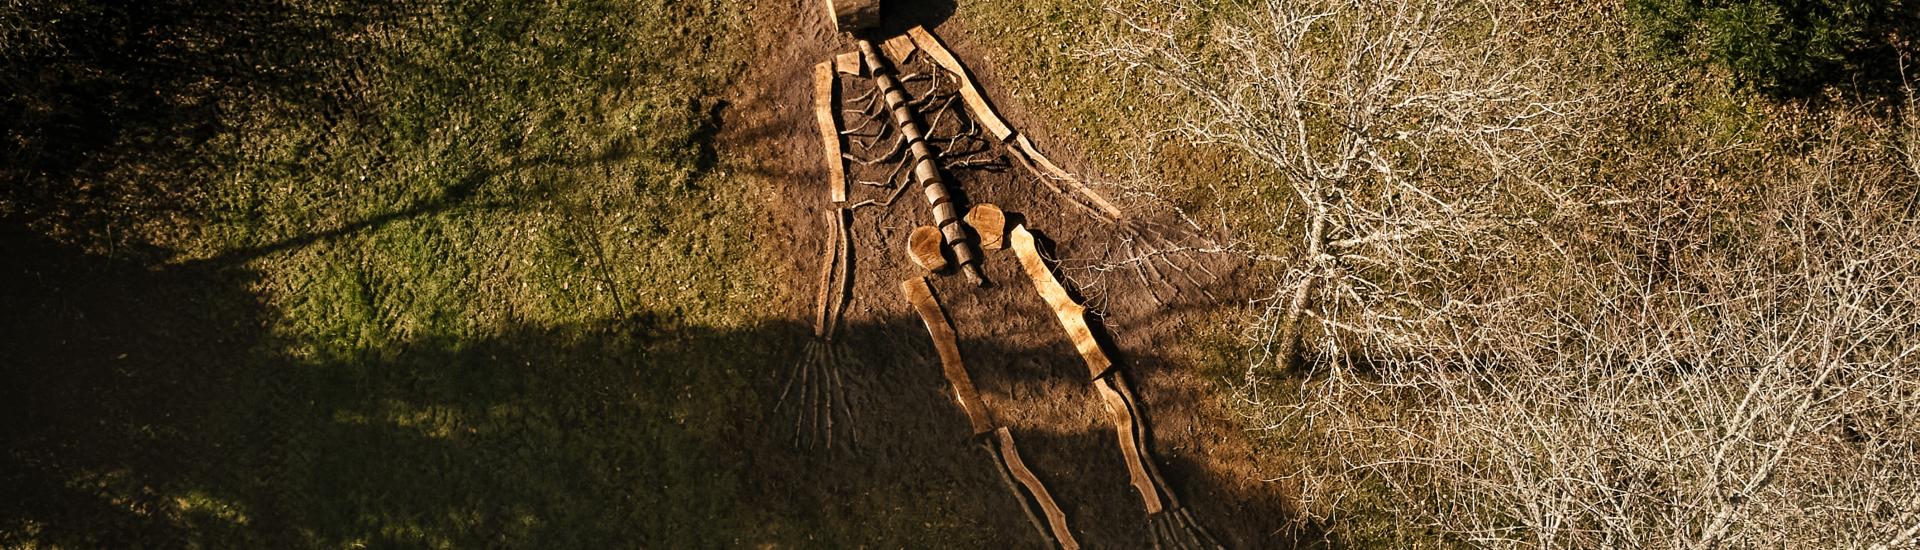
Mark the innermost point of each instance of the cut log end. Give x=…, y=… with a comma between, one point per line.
x=848, y=63
x=923, y=247
x=899, y=48
x=990, y=223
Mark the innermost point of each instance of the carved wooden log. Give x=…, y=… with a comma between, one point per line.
x=990, y=223
x=1118, y=400
x=823, y=86
x=926, y=169
x=1007, y=456
x=854, y=15
x=1132, y=443
x=948, y=345
x=1056, y=520
x=1117, y=380
x=923, y=247
x=1072, y=315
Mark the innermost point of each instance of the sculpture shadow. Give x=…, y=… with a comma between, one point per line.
x=898, y=16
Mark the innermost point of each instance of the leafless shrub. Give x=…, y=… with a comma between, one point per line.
x=1759, y=397
x=1509, y=349
x=1400, y=145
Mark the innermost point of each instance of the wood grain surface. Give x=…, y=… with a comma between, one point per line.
x=1072, y=315
x=947, y=344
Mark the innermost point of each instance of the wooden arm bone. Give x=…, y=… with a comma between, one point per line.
x=975, y=100
x=1070, y=314
x=824, y=89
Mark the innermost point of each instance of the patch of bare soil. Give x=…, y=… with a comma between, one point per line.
x=913, y=449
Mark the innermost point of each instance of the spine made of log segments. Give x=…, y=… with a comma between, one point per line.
x=926, y=170
x=1072, y=315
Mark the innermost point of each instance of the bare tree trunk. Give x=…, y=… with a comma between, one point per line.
x=1288, y=358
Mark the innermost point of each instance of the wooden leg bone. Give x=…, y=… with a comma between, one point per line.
x=997, y=441
x=1163, y=510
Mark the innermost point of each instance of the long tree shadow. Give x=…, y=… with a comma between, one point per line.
x=150, y=405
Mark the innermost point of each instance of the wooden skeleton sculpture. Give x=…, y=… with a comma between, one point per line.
x=910, y=130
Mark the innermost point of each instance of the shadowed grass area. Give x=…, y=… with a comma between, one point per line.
x=342, y=274
x=153, y=412
x=333, y=274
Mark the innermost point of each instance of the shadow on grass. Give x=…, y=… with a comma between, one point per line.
x=94, y=88
x=151, y=405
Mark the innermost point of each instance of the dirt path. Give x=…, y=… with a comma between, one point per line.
x=914, y=458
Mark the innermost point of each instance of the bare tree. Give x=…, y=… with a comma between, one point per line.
x=1397, y=141
x=1508, y=349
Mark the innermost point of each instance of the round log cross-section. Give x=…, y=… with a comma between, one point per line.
x=854, y=15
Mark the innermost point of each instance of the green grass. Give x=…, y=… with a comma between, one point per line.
x=465, y=275
x=1043, y=55
x=324, y=273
